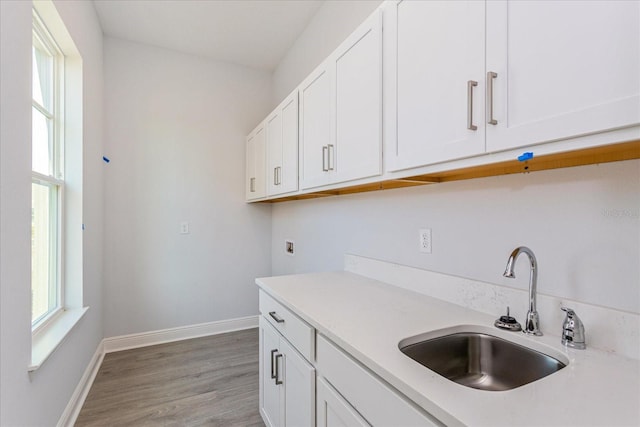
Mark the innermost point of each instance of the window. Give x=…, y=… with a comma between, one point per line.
x=57, y=303
x=47, y=184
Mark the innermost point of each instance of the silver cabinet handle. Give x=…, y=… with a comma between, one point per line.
x=273, y=374
x=278, y=381
x=252, y=185
x=277, y=175
x=490, y=76
x=325, y=156
x=275, y=317
x=330, y=156
x=470, y=85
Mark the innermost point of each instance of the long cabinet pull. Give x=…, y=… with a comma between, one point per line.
x=278, y=381
x=252, y=185
x=490, y=76
x=273, y=373
x=470, y=85
x=275, y=317
x=277, y=175
x=325, y=157
x=330, y=155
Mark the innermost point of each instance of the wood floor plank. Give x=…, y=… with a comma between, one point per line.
x=210, y=381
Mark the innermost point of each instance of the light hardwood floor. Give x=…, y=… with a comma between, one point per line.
x=210, y=381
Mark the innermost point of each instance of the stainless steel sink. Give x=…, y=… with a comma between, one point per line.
x=480, y=360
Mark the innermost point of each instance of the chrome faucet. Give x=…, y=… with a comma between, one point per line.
x=532, y=322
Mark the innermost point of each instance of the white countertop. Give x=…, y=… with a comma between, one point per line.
x=368, y=318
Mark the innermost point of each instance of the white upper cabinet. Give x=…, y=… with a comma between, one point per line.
x=316, y=127
x=256, y=164
x=274, y=151
x=454, y=81
x=341, y=111
x=435, y=79
x=282, y=147
x=564, y=69
x=554, y=70
x=358, y=103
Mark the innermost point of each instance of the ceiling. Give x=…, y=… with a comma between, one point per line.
x=254, y=33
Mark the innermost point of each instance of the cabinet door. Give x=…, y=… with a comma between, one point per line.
x=271, y=399
x=282, y=147
x=274, y=151
x=256, y=164
x=564, y=69
x=358, y=74
x=250, y=168
x=362, y=389
x=288, y=176
x=333, y=410
x=299, y=388
x=437, y=48
x=316, y=127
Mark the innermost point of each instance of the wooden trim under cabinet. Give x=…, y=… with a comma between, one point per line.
x=587, y=156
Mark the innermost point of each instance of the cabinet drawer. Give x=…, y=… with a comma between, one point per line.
x=378, y=403
x=294, y=329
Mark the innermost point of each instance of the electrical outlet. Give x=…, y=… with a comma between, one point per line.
x=424, y=240
x=184, y=227
x=288, y=247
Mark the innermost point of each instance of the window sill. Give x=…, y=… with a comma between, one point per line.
x=46, y=340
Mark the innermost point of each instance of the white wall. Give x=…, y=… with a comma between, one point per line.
x=40, y=398
x=582, y=223
x=175, y=135
x=331, y=24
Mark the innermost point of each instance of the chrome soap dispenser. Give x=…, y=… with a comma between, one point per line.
x=573, y=330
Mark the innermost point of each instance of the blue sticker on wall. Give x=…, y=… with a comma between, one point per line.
x=525, y=156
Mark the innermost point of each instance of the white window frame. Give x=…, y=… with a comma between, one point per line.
x=56, y=179
x=50, y=333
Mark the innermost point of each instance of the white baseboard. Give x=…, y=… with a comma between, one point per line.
x=126, y=342
x=71, y=412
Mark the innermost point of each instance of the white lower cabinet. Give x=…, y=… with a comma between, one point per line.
x=299, y=388
x=372, y=400
x=270, y=392
x=332, y=410
x=306, y=380
x=287, y=381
